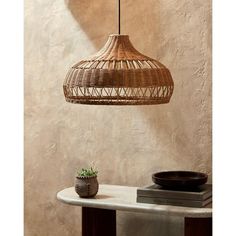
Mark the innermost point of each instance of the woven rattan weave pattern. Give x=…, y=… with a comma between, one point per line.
x=118, y=75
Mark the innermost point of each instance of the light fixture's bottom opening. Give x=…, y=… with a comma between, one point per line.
x=116, y=101
x=118, y=96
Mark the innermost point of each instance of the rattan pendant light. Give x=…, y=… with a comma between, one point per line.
x=118, y=75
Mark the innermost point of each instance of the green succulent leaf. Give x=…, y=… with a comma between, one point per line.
x=87, y=172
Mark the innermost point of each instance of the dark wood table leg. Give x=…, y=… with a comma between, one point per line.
x=197, y=226
x=98, y=222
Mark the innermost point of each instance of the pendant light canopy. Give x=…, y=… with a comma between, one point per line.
x=118, y=75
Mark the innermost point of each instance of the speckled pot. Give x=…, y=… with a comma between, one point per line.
x=86, y=187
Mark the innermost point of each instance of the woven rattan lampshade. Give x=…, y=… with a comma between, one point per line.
x=118, y=75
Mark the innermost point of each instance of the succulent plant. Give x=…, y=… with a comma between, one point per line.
x=90, y=172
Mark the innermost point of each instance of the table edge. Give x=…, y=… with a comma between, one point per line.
x=190, y=212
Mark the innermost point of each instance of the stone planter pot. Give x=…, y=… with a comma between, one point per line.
x=86, y=187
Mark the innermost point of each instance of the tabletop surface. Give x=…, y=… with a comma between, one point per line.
x=123, y=198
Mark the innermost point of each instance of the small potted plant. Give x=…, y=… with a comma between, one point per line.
x=86, y=183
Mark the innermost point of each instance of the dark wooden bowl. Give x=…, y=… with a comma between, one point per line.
x=179, y=179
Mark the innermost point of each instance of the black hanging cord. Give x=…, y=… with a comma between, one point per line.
x=118, y=16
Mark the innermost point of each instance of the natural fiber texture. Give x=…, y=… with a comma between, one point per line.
x=118, y=75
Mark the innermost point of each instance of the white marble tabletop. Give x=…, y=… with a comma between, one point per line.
x=123, y=198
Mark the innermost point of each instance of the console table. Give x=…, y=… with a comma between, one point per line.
x=99, y=213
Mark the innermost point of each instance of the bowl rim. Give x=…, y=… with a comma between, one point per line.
x=200, y=175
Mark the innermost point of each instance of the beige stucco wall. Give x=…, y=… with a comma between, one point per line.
x=127, y=144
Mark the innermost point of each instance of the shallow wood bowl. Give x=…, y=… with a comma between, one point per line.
x=179, y=179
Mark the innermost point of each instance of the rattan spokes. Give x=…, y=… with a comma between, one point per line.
x=118, y=75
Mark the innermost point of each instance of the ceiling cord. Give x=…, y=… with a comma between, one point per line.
x=118, y=16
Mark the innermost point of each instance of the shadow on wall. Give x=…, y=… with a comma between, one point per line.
x=98, y=19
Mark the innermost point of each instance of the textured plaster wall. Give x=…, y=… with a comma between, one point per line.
x=127, y=144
